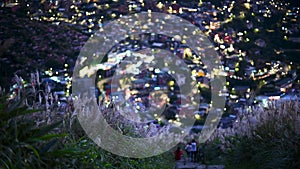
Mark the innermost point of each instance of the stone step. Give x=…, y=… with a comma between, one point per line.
x=186, y=166
x=211, y=167
x=190, y=165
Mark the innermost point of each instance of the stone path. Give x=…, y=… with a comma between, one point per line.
x=190, y=165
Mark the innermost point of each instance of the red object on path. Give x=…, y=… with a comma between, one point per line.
x=178, y=153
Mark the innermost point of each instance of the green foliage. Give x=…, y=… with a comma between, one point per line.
x=98, y=158
x=212, y=152
x=273, y=143
x=24, y=144
x=89, y=155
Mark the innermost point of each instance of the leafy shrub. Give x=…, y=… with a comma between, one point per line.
x=36, y=138
x=261, y=138
x=23, y=144
x=30, y=140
